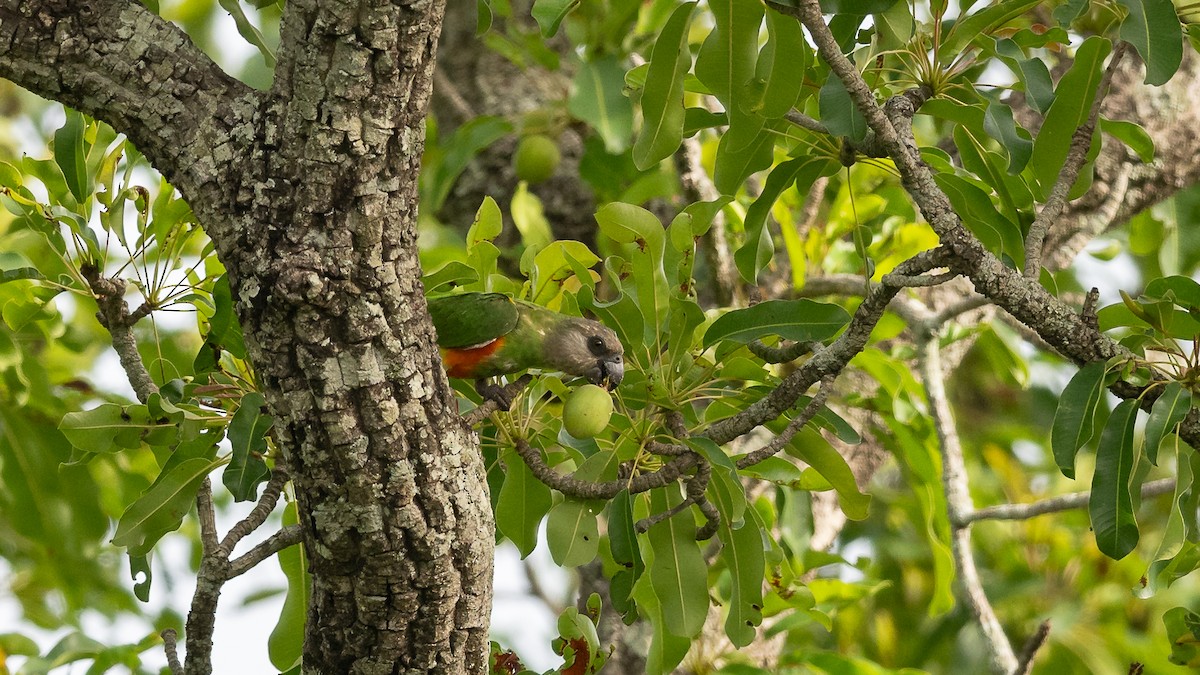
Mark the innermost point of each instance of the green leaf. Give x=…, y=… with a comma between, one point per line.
x=737, y=158
x=453, y=273
x=1152, y=27
x=143, y=575
x=622, y=541
x=489, y=222
x=572, y=533
x=248, y=437
x=999, y=123
x=549, y=14
x=597, y=97
x=781, y=64
x=839, y=114
x=285, y=646
x=678, y=574
x=663, y=113
x=70, y=154
x=800, y=320
x=726, y=61
x=248, y=30
x=1033, y=73
x=161, y=508
x=1074, y=420
x=1183, y=634
x=112, y=428
x=1132, y=135
x=223, y=328
x=629, y=224
x=758, y=249
x=1072, y=104
x=827, y=461
x=742, y=552
x=439, y=171
x=1070, y=10
x=1172, y=406
x=983, y=22
x=1111, y=506
x=523, y=502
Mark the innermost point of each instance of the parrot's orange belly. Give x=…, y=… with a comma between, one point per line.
x=465, y=362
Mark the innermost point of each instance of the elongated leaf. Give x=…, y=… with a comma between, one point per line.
x=983, y=22
x=742, y=552
x=999, y=123
x=781, y=65
x=248, y=30
x=1111, y=506
x=1033, y=73
x=523, y=502
x=1132, y=135
x=572, y=533
x=1074, y=420
x=1152, y=27
x=663, y=113
x=666, y=649
x=799, y=320
x=758, y=249
x=1072, y=103
x=629, y=224
x=597, y=98
x=737, y=159
x=161, y=508
x=248, y=437
x=549, y=14
x=70, y=154
x=286, y=643
x=1169, y=410
x=622, y=542
x=828, y=462
x=678, y=573
x=726, y=61
x=1174, y=536
x=838, y=112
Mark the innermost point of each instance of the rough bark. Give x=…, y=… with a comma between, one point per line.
x=309, y=193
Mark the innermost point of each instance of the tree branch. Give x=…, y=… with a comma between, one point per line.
x=171, y=647
x=1081, y=141
x=1075, y=500
x=697, y=186
x=288, y=536
x=136, y=71
x=114, y=315
x=958, y=500
x=1030, y=650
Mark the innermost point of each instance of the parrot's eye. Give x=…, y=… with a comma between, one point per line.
x=597, y=346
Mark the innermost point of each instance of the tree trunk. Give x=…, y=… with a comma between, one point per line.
x=309, y=192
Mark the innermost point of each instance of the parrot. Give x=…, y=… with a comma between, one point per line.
x=482, y=335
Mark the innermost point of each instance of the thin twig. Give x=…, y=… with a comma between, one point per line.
x=288, y=536
x=258, y=515
x=1068, y=174
x=958, y=500
x=1075, y=500
x=783, y=352
x=114, y=315
x=586, y=489
x=208, y=517
x=1030, y=650
x=477, y=414
x=770, y=449
x=171, y=647
x=805, y=122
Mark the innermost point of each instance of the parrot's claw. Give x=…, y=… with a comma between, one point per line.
x=490, y=391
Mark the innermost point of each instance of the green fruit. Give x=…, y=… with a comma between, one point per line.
x=536, y=158
x=587, y=411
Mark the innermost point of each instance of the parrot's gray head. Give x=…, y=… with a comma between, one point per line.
x=587, y=348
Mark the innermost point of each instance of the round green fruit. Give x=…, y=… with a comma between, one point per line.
x=536, y=158
x=587, y=411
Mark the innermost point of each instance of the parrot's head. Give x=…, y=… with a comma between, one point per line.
x=587, y=348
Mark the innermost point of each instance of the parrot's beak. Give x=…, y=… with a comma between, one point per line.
x=611, y=372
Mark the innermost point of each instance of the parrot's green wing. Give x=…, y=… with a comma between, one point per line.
x=471, y=319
